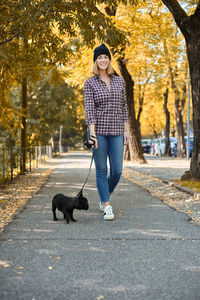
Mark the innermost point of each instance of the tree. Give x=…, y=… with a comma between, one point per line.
x=134, y=145
x=51, y=103
x=37, y=29
x=177, y=67
x=190, y=28
x=142, y=59
x=167, y=125
x=170, y=61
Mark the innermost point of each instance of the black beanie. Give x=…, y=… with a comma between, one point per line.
x=101, y=50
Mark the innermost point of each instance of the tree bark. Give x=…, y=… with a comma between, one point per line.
x=179, y=111
x=190, y=27
x=167, y=125
x=193, y=50
x=141, y=101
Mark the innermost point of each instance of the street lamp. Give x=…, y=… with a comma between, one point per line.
x=188, y=118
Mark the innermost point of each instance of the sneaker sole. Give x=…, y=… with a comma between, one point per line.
x=109, y=219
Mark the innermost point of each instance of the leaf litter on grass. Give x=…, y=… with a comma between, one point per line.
x=16, y=194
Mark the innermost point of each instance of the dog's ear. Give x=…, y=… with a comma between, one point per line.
x=80, y=194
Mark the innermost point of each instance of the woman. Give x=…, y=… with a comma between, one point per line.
x=107, y=119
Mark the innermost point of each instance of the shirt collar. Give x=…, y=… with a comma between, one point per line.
x=97, y=77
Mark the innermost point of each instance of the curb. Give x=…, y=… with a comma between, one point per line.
x=182, y=188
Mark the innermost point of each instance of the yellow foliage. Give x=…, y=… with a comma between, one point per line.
x=153, y=45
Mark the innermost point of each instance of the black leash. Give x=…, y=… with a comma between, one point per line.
x=89, y=145
x=89, y=171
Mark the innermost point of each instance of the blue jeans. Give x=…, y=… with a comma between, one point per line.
x=113, y=148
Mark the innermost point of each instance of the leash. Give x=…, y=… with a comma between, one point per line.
x=89, y=146
x=89, y=171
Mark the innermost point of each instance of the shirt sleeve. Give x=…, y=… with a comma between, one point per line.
x=125, y=107
x=90, y=110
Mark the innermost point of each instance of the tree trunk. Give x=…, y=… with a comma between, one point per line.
x=167, y=125
x=135, y=147
x=24, y=101
x=193, y=50
x=141, y=100
x=179, y=110
x=24, y=126
x=127, y=153
x=190, y=27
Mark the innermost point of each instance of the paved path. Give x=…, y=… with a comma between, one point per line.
x=167, y=168
x=150, y=251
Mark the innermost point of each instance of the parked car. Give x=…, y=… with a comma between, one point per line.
x=146, y=145
x=161, y=146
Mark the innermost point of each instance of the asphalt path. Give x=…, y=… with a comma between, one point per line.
x=166, y=168
x=150, y=251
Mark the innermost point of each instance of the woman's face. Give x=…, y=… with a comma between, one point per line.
x=103, y=62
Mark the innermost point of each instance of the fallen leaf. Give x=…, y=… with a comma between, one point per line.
x=5, y=266
x=100, y=297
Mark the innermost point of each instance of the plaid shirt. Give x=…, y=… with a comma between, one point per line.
x=105, y=108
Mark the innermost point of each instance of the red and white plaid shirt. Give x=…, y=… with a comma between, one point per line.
x=106, y=108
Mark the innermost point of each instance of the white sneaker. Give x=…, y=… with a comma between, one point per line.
x=101, y=206
x=108, y=213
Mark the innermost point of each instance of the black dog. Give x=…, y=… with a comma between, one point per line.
x=67, y=205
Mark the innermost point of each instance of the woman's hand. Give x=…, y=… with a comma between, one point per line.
x=93, y=140
x=126, y=137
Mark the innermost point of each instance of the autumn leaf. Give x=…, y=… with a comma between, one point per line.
x=100, y=297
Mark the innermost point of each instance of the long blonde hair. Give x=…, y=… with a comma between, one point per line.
x=95, y=69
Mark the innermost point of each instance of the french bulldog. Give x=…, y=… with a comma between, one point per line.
x=67, y=204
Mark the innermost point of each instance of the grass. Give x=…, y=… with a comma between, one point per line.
x=194, y=185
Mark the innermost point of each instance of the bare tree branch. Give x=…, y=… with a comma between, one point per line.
x=177, y=11
x=9, y=39
x=11, y=20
